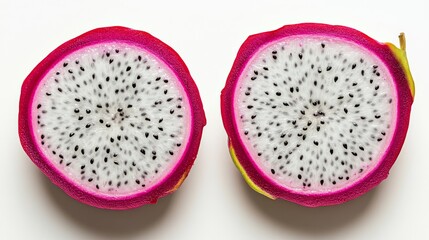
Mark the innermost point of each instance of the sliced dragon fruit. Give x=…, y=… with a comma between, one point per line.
x=316, y=114
x=112, y=117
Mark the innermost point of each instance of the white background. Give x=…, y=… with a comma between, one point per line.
x=214, y=202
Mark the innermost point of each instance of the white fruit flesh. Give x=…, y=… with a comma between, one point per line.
x=112, y=117
x=315, y=113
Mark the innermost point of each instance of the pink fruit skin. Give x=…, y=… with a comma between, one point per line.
x=372, y=179
x=139, y=38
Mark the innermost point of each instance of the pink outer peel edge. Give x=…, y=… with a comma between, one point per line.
x=366, y=183
x=177, y=174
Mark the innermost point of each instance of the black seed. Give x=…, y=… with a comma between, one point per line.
x=321, y=182
x=273, y=171
x=345, y=145
x=299, y=176
x=76, y=110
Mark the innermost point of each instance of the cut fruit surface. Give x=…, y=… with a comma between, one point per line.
x=316, y=114
x=113, y=117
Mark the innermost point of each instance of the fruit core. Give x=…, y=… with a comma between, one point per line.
x=316, y=113
x=112, y=117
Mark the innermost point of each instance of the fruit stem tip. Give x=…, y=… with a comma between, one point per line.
x=402, y=42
